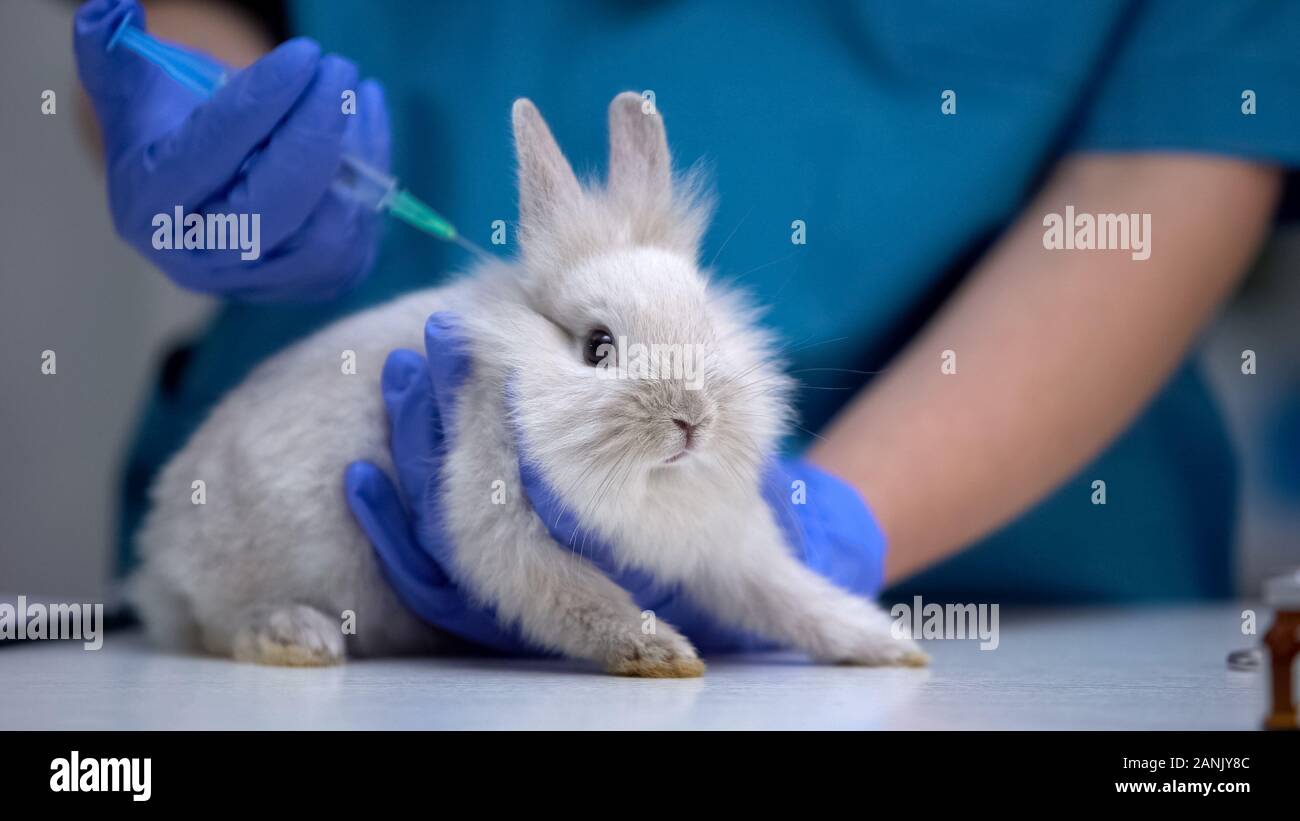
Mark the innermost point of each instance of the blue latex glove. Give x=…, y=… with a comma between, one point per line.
x=409, y=538
x=832, y=531
x=268, y=142
x=824, y=520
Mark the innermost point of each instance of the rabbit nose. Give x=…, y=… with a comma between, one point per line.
x=686, y=428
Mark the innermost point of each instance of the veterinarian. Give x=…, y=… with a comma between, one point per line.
x=990, y=418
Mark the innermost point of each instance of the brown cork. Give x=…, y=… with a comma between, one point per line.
x=1283, y=641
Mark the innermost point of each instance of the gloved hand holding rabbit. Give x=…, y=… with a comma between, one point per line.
x=824, y=520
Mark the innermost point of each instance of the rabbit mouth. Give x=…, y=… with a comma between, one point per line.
x=677, y=457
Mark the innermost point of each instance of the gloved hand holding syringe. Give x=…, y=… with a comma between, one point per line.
x=355, y=179
x=273, y=147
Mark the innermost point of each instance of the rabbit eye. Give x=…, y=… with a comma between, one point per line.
x=599, y=346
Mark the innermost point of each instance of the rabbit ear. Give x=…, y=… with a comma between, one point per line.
x=546, y=180
x=640, y=168
x=641, y=187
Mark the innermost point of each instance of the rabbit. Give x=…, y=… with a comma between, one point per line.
x=664, y=471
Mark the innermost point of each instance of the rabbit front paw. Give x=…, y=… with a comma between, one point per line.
x=884, y=651
x=662, y=654
x=866, y=639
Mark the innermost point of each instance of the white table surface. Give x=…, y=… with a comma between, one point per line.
x=1132, y=668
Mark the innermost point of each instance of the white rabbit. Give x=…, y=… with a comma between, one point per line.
x=264, y=569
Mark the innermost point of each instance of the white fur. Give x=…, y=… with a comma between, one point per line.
x=263, y=571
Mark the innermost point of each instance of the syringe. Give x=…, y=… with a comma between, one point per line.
x=355, y=179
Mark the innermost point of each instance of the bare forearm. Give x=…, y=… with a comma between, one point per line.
x=211, y=26
x=1056, y=351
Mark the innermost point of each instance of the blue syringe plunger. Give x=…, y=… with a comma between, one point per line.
x=201, y=76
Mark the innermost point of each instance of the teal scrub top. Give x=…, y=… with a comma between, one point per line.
x=829, y=113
